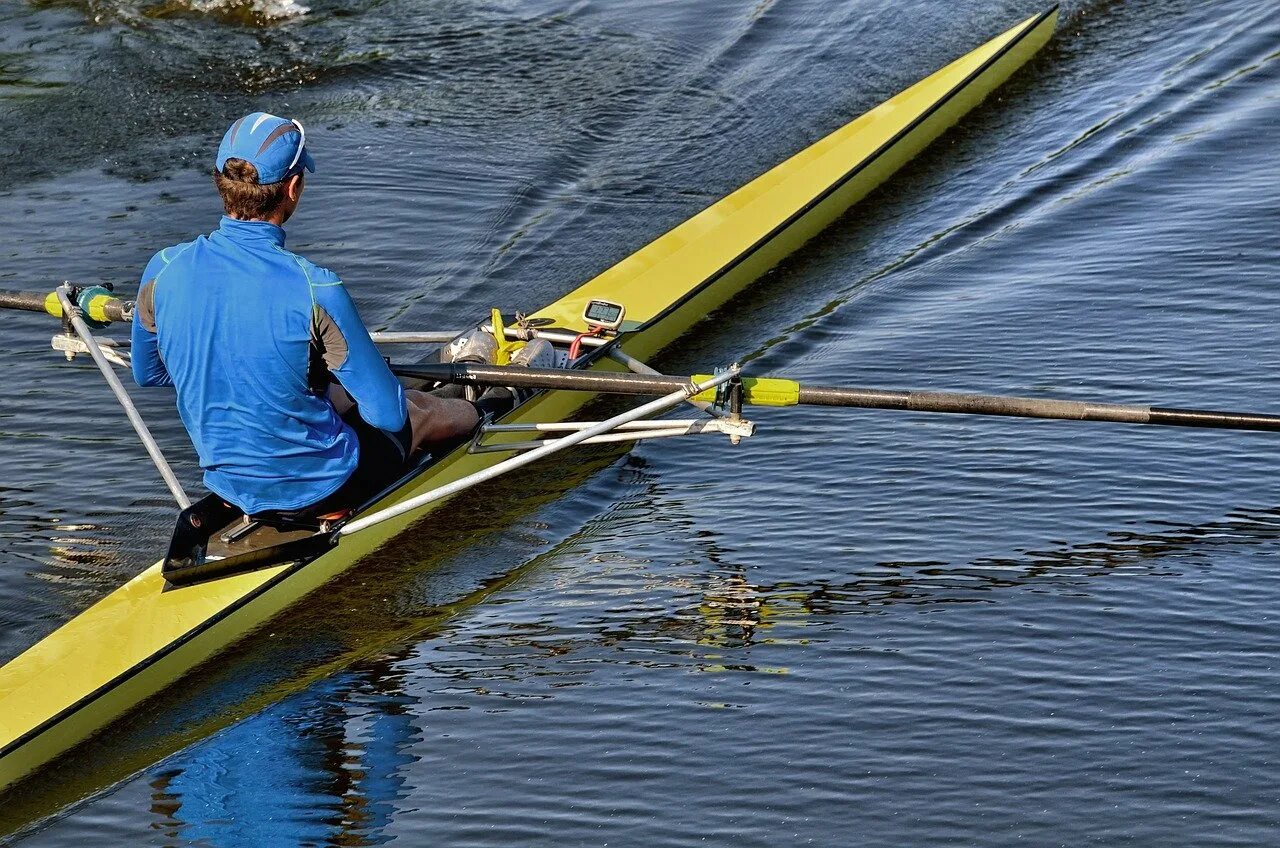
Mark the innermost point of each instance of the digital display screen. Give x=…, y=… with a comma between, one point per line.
x=604, y=313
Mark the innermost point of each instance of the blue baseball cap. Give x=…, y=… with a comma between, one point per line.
x=276, y=146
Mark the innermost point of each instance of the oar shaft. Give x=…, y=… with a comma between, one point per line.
x=768, y=391
x=29, y=301
x=1022, y=407
x=111, y=308
x=972, y=404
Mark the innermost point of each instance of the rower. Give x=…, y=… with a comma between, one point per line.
x=289, y=404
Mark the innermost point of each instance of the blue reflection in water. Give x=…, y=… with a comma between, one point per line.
x=323, y=768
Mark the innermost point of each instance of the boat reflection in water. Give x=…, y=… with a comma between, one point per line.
x=346, y=746
x=340, y=750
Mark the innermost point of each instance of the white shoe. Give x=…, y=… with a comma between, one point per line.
x=472, y=346
x=538, y=353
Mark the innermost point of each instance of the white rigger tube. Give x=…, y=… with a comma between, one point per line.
x=390, y=337
x=516, y=333
x=660, y=429
x=72, y=312
x=462, y=483
x=692, y=425
x=607, y=438
x=446, y=336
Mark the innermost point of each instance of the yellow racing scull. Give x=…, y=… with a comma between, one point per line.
x=156, y=628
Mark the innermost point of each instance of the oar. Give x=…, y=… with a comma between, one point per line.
x=772, y=391
x=97, y=302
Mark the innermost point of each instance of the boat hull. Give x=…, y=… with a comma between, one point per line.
x=145, y=636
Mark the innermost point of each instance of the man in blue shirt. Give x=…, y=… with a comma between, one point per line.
x=289, y=404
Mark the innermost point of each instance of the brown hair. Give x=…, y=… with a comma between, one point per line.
x=242, y=195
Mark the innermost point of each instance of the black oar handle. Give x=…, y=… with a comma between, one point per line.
x=466, y=373
x=1212, y=418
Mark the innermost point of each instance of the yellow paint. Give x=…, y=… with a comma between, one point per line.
x=98, y=308
x=142, y=637
x=758, y=391
x=96, y=311
x=505, y=348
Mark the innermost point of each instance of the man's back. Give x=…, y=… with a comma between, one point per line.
x=248, y=332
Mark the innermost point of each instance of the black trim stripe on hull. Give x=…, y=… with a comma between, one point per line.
x=818, y=200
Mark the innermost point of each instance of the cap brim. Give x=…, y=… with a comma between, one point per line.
x=307, y=161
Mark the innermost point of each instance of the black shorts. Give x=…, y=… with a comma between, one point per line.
x=380, y=464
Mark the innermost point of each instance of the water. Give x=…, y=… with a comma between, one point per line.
x=858, y=628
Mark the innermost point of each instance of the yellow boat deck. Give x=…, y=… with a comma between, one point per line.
x=145, y=635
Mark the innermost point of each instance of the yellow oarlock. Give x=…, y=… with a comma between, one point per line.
x=92, y=301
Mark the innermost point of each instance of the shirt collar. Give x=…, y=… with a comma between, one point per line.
x=238, y=230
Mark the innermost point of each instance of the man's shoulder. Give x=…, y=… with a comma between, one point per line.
x=161, y=260
x=173, y=251
x=145, y=312
x=316, y=275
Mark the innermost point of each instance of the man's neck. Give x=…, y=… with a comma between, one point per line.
x=277, y=220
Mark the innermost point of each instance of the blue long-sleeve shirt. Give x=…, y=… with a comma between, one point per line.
x=249, y=334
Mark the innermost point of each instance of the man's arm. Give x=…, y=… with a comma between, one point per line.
x=148, y=367
x=350, y=355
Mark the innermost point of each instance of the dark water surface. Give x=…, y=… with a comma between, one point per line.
x=861, y=628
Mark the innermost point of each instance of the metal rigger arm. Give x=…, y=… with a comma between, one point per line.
x=74, y=318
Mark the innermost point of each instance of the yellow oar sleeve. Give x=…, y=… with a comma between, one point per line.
x=758, y=391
